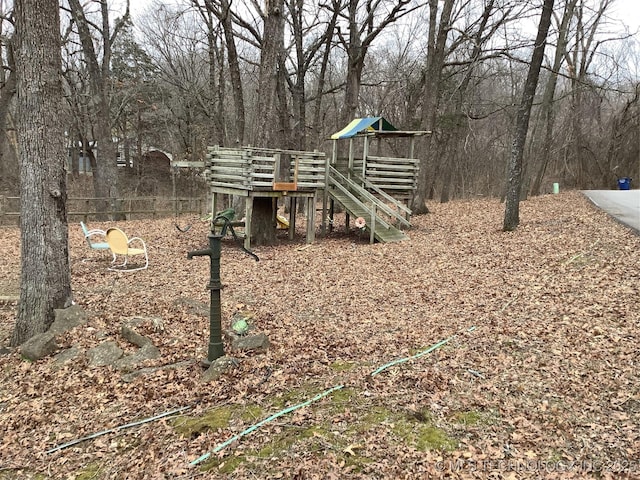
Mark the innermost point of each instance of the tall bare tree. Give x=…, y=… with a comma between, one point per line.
x=512, y=209
x=98, y=63
x=481, y=33
x=221, y=10
x=217, y=88
x=8, y=163
x=548, y=110
x=432, y=85
x=176, y=44
x=588, y=40
x=316, y=122
x=268, y=127
x=366, y=21
x=46, y=278
x=311, y=39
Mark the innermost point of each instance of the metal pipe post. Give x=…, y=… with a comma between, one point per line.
x=216, y=346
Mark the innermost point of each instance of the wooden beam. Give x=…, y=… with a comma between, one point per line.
x=248, y=212
x=185, y=164
x=311, y=219
x=285, y=186
x=293, y=207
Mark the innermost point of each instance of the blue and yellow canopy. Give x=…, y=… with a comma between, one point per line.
x=364, y=125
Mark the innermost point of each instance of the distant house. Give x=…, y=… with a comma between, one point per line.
x=155, y=161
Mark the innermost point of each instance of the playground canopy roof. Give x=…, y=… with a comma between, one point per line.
x=372, y=126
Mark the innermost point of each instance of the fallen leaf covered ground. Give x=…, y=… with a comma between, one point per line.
x=539, y=378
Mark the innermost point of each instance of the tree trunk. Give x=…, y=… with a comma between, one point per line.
x=322, y=76
x=298, y=87
x=268, y=131
x=224, y=15
x=75, y=159
x=285, y=134
x=356, y=53
x=8, y=88
x=263, y=227
x=137, y=167
x=460, y=124
x=267, y=128
x=216, y=91
x=215, y=129
x=514, y=179
x=549, y=93
x=216, y=116
x=8, y=152
x=105, y=175
x=438, y=32
x=46, y=278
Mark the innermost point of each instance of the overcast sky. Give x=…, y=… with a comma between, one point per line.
x=626, y=11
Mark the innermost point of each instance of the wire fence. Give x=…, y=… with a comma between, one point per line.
x=132, y=208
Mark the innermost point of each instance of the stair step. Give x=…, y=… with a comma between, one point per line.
x=382, y=234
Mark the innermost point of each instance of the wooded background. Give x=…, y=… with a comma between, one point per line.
x=187, y=75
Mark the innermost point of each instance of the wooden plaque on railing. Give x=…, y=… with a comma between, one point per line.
x=285, y=186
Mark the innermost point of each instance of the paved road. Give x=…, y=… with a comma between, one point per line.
x=624, y=205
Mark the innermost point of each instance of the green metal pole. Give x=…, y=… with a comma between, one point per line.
x=216, y=347
x=222, y=219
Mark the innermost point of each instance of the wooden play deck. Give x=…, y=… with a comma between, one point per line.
x=251, y=172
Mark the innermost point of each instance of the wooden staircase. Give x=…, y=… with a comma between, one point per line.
x=358, y=202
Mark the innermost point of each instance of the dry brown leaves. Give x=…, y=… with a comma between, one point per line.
x=551, y=369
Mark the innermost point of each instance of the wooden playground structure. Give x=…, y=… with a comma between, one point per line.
x=374, y=189
x=251, y=172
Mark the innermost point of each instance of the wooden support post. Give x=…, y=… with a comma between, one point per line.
x=280, y=171
x=350, y=167
x=293, y=208
x=311, y=219
x=332, y=211
x=248, y=212
x=372, y=227
x=407, y=215
x=274, y=211
x=325, y=192
x=365, y=154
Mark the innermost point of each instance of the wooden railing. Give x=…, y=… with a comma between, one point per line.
x=252, y=168
x=396, y=176
x=133, y=208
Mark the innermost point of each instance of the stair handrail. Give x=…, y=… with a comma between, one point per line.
x=369, y=197
x=334, y=178
x=388, y=198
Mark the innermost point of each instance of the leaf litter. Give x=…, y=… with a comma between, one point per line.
x=546, y=385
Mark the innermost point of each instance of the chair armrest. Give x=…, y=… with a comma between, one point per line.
x=131, y=240
x=96, y=231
